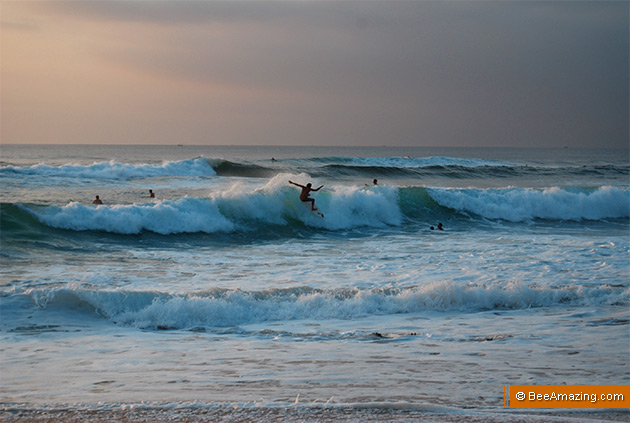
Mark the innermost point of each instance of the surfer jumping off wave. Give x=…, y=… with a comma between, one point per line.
x=306, y=191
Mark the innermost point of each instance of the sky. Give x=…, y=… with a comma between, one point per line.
x=320, y=72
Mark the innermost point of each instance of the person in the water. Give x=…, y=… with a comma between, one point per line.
x=305, y=194
x=97, y=201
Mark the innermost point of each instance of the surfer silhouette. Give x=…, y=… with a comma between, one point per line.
x=151, y=194
x=97, y=201
x=306, y=191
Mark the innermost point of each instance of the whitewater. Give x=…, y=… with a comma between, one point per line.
x=225, y=297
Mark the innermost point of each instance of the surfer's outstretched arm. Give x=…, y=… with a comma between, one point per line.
x=317, y=188
x=301, y=186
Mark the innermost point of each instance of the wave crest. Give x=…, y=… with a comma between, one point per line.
x=220, y=308
x=237, y=208
x=523, y=204
x=242, y=209
x=114, y=170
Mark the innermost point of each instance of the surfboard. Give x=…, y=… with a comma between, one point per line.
x=315, y=212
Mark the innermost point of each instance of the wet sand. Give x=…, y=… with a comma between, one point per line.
x=303, y=414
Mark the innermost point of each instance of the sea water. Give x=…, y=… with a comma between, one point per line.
x=226, y=290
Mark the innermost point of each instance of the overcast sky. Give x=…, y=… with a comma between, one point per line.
x=395, y=73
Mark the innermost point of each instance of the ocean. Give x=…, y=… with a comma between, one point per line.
x=225, y=298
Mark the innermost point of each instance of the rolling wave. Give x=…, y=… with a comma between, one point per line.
x=345, y=207
x=224, y=212
x=247, y=170
x=524, y=204
x=328, y=167
x=221, y=308
x=114, y=170
x=405, y=162
x=451, y=167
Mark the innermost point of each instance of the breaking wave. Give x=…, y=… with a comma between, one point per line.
x=523, y=204
x=329, y=167
x=344, y=207
x=114, y=170
x=221, y=308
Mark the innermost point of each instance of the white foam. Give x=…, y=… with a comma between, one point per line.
x=242, y=207
x=344, y=206
x=167, y=217
x=227, y=308
x=522, y=204
x=233, y=208
x=114, y=170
